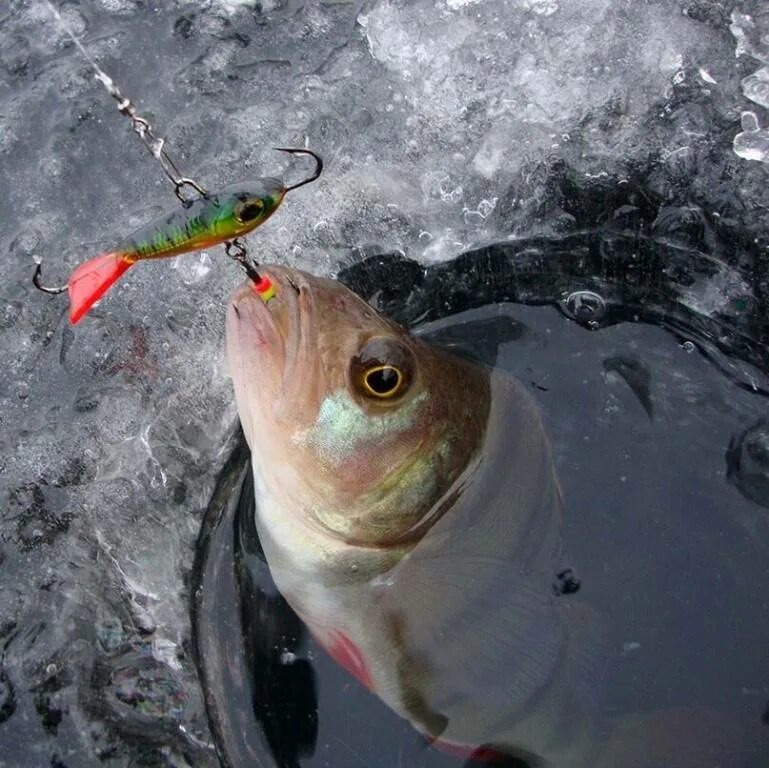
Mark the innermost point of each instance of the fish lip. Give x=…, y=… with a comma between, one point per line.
x=246, y=306
x=293, y=289
x=284, y=279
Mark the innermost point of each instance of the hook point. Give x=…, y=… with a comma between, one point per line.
x=36, y=277
x=302, y=151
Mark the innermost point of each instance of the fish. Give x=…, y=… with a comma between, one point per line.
x=210, y=219
x=409, y=511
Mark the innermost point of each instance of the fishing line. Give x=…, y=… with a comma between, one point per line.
x=156, y=145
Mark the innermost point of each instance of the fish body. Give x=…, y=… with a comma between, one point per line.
x=230, y=213
x=409, y=511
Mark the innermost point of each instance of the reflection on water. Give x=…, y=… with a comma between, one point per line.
x=655, y=408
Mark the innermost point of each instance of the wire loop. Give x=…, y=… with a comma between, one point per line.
x=155, y=144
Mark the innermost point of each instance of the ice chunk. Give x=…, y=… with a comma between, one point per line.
x=118, y=6
x=753, y=142
x=750, y=31
x=756, y=87
x=752, y=35
x=192, y=268
x=231, y=6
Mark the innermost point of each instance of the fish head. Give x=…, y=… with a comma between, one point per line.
x=358, y=427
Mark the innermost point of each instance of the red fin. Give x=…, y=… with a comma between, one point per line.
x=348, y=655
x=91, y=280
x=465, y=751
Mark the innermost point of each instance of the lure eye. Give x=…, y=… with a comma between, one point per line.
x=247, y=211
x=383, y=369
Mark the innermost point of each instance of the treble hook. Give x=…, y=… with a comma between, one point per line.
x=236, y=250
x=300, y=151
x=36, y=281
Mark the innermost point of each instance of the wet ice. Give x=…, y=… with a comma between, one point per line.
x=750, y=32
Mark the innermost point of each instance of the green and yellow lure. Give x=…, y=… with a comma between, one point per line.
x=216, y=218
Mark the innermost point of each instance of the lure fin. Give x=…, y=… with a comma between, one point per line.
x=91, y=280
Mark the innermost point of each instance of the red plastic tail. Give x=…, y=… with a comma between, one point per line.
x=91, y=280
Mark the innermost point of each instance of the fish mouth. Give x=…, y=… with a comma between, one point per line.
x=279, y=314
x=276, y=334
x=248, y=314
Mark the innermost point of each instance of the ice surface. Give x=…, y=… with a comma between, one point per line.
x=444, y=124
x=751, y=32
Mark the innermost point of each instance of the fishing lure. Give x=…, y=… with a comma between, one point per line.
x=211, y=219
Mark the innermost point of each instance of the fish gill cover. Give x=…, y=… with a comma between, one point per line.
x=445, y=126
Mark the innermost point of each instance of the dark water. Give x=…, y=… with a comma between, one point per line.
x=661, y=447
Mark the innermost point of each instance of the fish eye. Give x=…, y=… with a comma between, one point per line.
x=248, y=210
x=382, y=381
x=383, y=369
